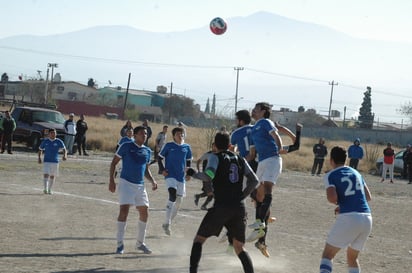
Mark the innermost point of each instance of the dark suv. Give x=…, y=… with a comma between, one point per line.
x=33, y=124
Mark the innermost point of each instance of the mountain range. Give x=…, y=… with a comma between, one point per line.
x=286, y=62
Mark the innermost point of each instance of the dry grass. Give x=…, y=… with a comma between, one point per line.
x=104, y=134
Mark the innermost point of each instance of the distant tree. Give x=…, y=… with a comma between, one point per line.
x=365, y=112
x=213, y=111
x=301, y=109
x=91, y=82
x=406, y=110
x=207, y=109
x=4, y=77
x=179, y=106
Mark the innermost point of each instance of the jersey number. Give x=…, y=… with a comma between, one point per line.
x=233, y=173
x=351, y=189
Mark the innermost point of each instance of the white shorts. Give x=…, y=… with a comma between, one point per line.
x=350, y=229
x=132, y=194
x=50, y=168
x=179, y=186
x=269, y=169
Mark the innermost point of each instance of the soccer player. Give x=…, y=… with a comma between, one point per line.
x=132, y=191
x=224, y=172
x=177, y=155
x=51, y=146
x=346, y=188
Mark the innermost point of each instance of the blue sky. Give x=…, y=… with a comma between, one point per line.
x=386, y=20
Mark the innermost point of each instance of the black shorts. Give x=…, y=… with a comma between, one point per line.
x=233, y=219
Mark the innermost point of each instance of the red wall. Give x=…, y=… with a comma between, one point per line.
x=79, y=107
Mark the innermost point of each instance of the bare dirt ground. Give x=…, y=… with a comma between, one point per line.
x=73, y=230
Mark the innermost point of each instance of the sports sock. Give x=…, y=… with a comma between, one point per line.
x=121, y=228
x=141, y=232
x=325, y=266
x=267, y=201
x=45, y=183
x=176, y=206
x=354, y=270
x=51, y=182
x=169, y=207
x=195, y=255
x=246, y=262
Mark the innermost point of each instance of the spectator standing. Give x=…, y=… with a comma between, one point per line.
x=355, y=153
x=7, y=126
x=225, y=171
x=177, y=155
x=149, y=132
x=159, y=142
x=388, y=162
x=409, y=163
x=50, y=147
x=405, y=163
x=70, y=127
x=346, y=188
x=128, y=125
x=81, y=129
x=127, y=138
x=320, y=151
x=132, y=191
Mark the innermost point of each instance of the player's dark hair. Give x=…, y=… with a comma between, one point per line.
x=177, y=129
x=338, y=155
x=139, y=128
x=266, y=107
x=222, y=140
x=243, y=115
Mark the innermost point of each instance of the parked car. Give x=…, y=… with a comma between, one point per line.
x=398, y=168
x=33, y=124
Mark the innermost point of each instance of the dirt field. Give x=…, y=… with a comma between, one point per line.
x=73, y=230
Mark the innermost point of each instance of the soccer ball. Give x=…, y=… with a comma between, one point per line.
x=218, y=26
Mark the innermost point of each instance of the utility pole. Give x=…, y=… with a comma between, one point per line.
x=237, y=84
x=332, y=83
x=52, y=65
x=127, y=92
x=47, y=83
x=170, y=103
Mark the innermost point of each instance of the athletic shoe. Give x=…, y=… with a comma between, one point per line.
x=166, y=228
x=203, y=207
x=263, y=248
x=144, y=248
x=120, y=248
x=230, y=250
x=256, y=234
x=49, y=192
x=271, y=219
x=257, y=224
x=197, y=197
x=45, y=191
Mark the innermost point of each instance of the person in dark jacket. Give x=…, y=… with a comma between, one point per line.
x=81, y=128
x=7, y=126
x=405, y=163
x=320, y=151
x=355, y=153
x=409, y=163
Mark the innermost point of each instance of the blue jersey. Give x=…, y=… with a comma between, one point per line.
x=175, y=156
x=350, y=188
x=51, y=149
x=125, y=139
x=264, y=142
x=134, y=161
x=241, y=137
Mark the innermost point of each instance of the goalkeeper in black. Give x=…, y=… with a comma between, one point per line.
x=224, y=173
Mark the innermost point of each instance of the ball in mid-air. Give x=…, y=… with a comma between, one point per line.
x=218, y=26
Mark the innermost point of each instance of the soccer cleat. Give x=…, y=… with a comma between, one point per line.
x=263, y=248
x=49, y=192
x=257, y=224
x=45, y=191
x=197, y=197
x=166, y=228
x=120, y=248
x=256, y=234
x=203, y=207
x=144, y=248
x=271, y=219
